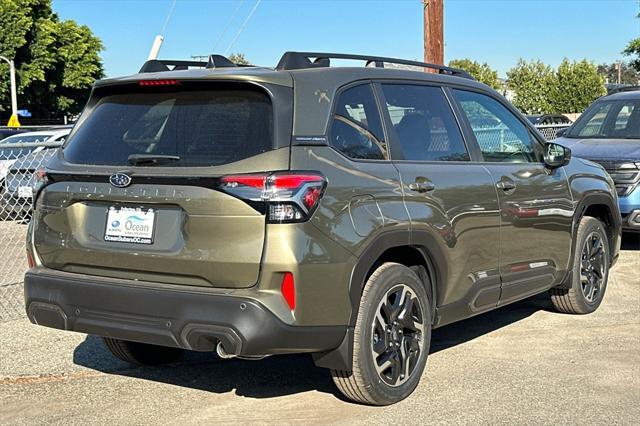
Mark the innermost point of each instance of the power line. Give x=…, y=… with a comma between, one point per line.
x=244, y=24
x=169, y=15
x=226, y=27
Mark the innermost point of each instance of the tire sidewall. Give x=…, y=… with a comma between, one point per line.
x=392, y=276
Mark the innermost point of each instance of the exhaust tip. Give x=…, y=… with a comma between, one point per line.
x=222, y=353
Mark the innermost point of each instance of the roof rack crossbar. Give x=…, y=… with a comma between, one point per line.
x=302, y=60
x=161, y=65
x=629, y=88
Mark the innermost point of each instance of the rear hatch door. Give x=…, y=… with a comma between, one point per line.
x=135, y=192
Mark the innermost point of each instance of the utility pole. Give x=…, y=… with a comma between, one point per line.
x=619, y=69
x=13, y=121
x=155, y=48
x=434, y=31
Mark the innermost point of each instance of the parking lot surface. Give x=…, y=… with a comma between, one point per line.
x=523, y=363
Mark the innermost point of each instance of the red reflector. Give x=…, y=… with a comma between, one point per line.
x=288, y=290
x=30, y=261
x=158, y=82
x=311, y=198
x=255, y=181
x=293, y=181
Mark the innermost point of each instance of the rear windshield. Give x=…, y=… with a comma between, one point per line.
x=202, y=128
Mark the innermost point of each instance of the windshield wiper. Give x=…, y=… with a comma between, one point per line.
x=151, y=159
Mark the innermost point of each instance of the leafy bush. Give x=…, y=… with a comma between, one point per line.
x=530, y=83
x=481, y=72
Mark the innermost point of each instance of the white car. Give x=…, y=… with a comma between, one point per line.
x=9, y=155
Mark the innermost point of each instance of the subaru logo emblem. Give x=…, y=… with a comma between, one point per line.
x=120, y=180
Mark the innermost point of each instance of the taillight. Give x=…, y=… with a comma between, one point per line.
x=289, y=196
x=41, y=175
x=41, y=180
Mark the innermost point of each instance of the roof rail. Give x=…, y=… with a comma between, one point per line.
x=161, y=65
x=302, y=60
x=623, y=89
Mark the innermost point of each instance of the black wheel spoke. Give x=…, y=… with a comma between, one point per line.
x=396, y=369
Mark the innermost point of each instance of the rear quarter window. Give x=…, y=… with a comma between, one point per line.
x=202, y=127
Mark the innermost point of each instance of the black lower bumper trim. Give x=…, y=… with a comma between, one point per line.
x=156, y=315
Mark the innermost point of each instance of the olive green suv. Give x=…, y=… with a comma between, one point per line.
x=339, y=211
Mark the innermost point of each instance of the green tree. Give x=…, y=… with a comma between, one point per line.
x=628, y=75
x=481, y=72
x=633, y=50
x=56, y=61
x=530, y=84
x=577, y=85
x=238, y=58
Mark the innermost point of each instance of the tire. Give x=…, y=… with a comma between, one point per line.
x=389, y=284
x=590, y=271
x=141, y=353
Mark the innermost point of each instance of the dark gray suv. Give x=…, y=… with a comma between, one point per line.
x=343, y=212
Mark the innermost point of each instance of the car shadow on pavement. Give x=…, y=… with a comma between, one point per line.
x=469, y=329
x=284, y=374
x=631, y=241
x=266, y=378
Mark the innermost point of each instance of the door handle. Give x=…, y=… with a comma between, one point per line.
x=506, y=185
x=422, y=186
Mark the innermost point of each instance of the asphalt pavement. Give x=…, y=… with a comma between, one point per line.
x=520, y=364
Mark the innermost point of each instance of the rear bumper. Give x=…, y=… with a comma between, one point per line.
x=163, y=315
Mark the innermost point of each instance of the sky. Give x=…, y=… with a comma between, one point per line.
x=492, y=31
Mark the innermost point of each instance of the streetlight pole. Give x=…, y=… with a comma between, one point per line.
x=14, y=93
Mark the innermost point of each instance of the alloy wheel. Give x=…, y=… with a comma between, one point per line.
x=397, y=335
x=592, y=267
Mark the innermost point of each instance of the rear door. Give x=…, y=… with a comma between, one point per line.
x=136, y=191
x=535, y=203
x=450, y=199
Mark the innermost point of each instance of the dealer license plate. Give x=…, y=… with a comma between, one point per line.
x=130, y=225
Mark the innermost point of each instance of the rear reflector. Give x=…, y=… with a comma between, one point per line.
x=30, y=262
x=288, y=290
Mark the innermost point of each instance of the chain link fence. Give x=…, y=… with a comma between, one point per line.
x=19, y=163
x=550, y=131
x=20, y=158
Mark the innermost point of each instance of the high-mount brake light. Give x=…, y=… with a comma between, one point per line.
x=158, y=83
x=289, y=196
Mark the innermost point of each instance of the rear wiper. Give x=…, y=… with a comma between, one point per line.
x=151, y=159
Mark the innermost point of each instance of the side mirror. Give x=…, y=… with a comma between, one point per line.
x=561, y=132
x=556, y=155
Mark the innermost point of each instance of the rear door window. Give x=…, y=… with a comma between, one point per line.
x=357, y=129
x=424, y=123
x=202, y=128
